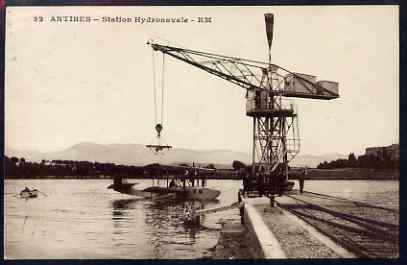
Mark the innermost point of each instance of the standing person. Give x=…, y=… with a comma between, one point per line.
x=172, y=183
x=301, y=179
x=245, y=180
x=204, y=181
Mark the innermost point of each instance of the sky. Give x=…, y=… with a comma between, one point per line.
x=70, y=82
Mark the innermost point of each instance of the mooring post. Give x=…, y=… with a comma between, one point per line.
x=241, y=210
x=240, y=195
x=197, y=220
x=272, y=200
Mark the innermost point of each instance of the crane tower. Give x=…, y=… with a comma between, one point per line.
x=269, y=88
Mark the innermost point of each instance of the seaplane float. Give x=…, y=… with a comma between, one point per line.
x=182, y=182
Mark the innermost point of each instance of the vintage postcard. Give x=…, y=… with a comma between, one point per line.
x=201, y=132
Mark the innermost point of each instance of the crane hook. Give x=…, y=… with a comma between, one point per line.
x=158, y=128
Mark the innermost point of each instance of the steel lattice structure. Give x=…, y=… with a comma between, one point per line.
x=275, y=122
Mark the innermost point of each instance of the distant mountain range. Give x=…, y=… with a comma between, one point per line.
x=136, y=154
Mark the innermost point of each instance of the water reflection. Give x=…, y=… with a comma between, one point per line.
x=121, y=207
x=166, y=227
x=81, y=219
x=164, y=224
x=126, y=204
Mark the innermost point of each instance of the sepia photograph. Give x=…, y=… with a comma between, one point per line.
x=201, y=132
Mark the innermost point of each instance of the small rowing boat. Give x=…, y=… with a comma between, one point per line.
x=28, y=194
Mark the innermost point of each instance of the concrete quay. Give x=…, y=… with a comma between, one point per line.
x=367, y=231
x=310, y=225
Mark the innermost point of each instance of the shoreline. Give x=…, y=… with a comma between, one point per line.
x=237, y=179
x=312, y=174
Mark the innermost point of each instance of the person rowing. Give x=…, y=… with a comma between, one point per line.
x=27, y=192
x=26, y=189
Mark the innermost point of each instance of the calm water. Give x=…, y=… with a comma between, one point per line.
x=83, y=219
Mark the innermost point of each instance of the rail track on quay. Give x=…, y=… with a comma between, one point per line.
x=368, y=231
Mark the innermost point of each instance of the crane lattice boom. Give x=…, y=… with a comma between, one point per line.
x=250, y=74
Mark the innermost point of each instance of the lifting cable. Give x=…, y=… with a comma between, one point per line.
x=154, y=88
x=158, y=109
x=162, y=89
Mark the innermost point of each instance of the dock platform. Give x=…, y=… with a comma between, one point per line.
x=367, y=231
x=311, y=225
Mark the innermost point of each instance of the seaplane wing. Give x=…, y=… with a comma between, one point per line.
x=176, y=184
x=176, y=169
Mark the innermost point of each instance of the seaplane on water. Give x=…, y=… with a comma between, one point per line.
x=183, y=182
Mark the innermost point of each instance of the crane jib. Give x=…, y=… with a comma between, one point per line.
x=186, y=56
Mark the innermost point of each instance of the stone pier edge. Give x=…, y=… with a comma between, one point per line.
x=267, y=245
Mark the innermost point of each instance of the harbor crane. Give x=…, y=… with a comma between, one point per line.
x=269, y=88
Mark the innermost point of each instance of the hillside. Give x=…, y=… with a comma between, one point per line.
x=136, y=154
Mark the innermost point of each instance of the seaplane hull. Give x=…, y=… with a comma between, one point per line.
x=182, y=182
x=129, y=190
x=195, y=193
x=188, y=193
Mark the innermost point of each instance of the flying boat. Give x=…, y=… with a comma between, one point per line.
x=178, y=181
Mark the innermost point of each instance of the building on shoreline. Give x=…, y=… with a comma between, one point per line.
x=391, y=151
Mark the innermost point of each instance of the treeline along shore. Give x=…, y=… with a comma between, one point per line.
x=19, y=168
